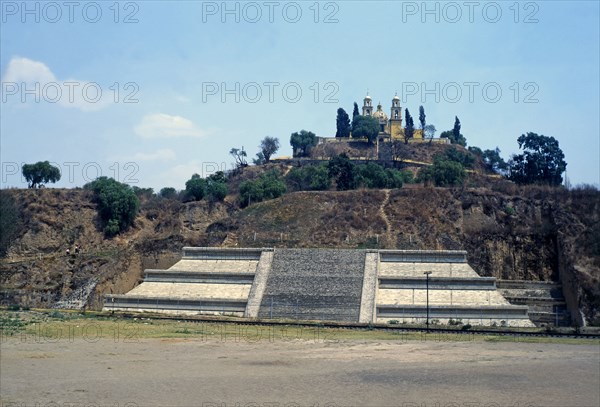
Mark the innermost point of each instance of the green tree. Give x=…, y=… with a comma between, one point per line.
x=409, y=129
x=117, y=204
x=143, y=193
x=429, y=132
x=196, y=187
x=542, y=161
x=168, y=193
x=422, y=119
x=455, y=135
x=342, y=124
x=372, y=175
x=309, y=178
x=216, y=191
x=466, y=159
x=475, y=150
x=267, y=186
x=355, y=111
x=342, y=170
x=268, y=147
x=365, y=127
x=216, y=186
x=302, y=142
x=239, y=156
x=493, y=161
x=443, y=173
x=40, y=173
x=456, y=129
x=260, y=159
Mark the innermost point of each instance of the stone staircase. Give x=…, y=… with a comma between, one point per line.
x=205, y=281
x=455, y=292
x=314, y=284
x=332, y=285
x=547, y=306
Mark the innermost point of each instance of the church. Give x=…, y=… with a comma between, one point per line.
x=391, y=128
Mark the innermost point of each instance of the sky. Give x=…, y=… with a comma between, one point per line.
x=151, y=92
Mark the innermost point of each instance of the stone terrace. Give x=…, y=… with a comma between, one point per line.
x=321, y=284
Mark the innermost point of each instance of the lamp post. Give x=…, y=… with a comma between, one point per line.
x=427, y=273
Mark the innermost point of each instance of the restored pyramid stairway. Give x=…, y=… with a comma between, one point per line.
x=324, y=284
x=205, y=280
x=545, y=300
x=456, y=292
x=314, y=284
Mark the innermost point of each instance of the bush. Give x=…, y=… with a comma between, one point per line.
x=373, y=175
x=117, y=204
x=217, y=191
x=168, y=193
x=196, y=187
x=443, y=173
x=267, y=186
x=216, y=186
x=309, y=178
x=466, y=159
x=143, y=193
x=343, y=171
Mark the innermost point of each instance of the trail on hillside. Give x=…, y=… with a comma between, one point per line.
x=383, y=215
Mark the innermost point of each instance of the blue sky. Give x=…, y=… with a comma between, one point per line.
x=171, y=87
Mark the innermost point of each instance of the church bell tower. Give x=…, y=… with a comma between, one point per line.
x=396, y=118
x=367, y=109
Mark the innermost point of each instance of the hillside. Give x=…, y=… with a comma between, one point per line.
x=529, y=233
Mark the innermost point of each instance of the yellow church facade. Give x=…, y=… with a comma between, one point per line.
x=391, y=127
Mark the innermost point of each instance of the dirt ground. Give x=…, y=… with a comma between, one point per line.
x=243, y=372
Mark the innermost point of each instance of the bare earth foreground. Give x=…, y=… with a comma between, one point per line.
x=228, y=372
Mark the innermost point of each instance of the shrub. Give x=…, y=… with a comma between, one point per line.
x=117, y=204
x=168, y=193
x=267, y=186
x=196, y=187
x=309, y=178
x=466, y=159
x=443, y=173
x=216, y=186
x=343, y=171
x=217, y=191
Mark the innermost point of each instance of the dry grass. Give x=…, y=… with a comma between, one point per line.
x=65, y=326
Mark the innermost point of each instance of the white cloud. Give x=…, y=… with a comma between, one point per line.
x=26, y=70
x=28, y=81
x=161, y=125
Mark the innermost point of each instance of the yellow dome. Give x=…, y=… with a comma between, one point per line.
x=380, y=114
